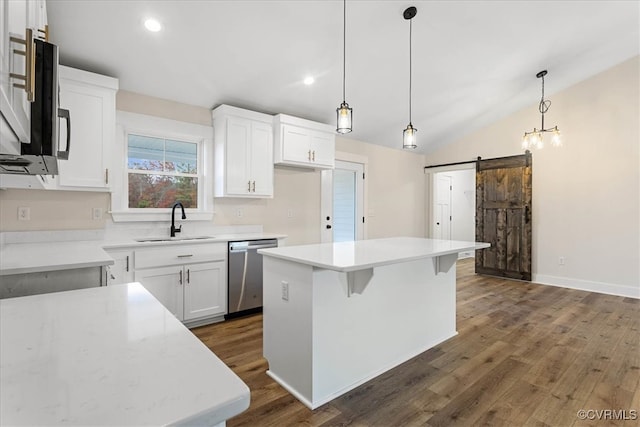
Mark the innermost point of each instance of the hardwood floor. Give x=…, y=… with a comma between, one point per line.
x=525, y=355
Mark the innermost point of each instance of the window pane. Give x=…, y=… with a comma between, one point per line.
x=161, y=191
x=181, y=156
x=344, y=205
x=145, y=153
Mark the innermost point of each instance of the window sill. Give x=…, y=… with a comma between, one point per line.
x=128, y=216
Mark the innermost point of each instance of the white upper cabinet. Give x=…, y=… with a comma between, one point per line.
x=300, y=142
x=91, y=101
x=15, y=17
x=243, y=142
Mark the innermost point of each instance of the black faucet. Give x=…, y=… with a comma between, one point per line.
x=175, y=230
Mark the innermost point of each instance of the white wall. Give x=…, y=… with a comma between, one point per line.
x=395, y=183
x=586, y=205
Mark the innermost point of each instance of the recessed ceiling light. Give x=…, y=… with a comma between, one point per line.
x=309, y=80
x=152, y=25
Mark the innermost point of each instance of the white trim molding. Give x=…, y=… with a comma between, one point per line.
x=587, y=285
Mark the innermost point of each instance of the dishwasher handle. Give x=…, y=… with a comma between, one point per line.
x=262, y=246
x=238, y=247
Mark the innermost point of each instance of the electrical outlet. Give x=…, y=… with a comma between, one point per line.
x=239, y=213
x=24, y=213
x=285, y=290
x=290, y=213
x=96, y=213
x=561, y=260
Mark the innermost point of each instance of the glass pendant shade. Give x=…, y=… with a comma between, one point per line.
x=409, y=137
x=344, y=118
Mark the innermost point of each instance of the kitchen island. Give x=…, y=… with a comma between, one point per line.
x=108, y=356
x=339, y=314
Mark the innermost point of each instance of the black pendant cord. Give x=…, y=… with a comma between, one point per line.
x=410, y=68
x=344, y=49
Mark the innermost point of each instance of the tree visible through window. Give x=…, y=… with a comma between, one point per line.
x=161, y=172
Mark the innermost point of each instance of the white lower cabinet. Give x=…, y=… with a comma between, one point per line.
x=165, y=283
x=122, y=269
x=193, y=289
x=205, y=290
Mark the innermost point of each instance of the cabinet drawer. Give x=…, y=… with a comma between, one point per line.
x=179, y=254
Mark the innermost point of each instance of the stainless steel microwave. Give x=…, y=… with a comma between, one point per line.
x=41, y=156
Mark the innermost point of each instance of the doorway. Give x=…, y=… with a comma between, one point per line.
x=503, y=212
x=443, y=216
x=342, y=203
x=452, y=204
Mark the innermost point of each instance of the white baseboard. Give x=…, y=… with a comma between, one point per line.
x=587, y=285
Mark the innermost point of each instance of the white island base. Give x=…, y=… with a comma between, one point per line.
x=330, y=325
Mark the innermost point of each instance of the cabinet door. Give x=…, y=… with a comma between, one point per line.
x=166, y=285
x=238, y=140
x=92, y=131
x=323, y=148
x=261, y=159
x=295, y=144
x=122, y=270
x=205, y=291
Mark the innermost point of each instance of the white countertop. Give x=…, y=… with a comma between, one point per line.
x=17, y=258
x=361, y=254
x=108, y=356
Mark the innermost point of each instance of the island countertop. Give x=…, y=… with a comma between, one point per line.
x=108, y=356
x=362, y=254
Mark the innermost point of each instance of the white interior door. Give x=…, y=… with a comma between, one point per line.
x=442, y=208
x=342, y=206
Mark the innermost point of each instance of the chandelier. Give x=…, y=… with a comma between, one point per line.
x=534, y=139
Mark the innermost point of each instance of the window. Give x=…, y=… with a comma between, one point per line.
x=157, y=162
x=161, y=172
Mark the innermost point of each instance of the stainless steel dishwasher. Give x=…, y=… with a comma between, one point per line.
x=244, y=293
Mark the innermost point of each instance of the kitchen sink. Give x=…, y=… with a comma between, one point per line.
x=172, y=239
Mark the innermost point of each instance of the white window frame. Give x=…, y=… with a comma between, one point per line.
x=156, y=127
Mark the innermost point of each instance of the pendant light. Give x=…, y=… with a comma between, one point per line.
x=534, y=139
x=409, y=134
x=344, y=112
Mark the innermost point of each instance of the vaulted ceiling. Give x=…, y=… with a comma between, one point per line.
x=474, y=62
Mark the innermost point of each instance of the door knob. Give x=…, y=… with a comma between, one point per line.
x=437, y=223
x=328, y=226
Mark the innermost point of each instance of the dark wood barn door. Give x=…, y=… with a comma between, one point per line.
x=503, y=216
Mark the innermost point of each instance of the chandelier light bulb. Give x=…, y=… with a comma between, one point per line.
x=556, y=140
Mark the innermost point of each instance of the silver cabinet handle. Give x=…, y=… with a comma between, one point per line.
x=313, y=155
x=180, y=279
x=188, y=276
x=127, y=268
x=249, y=186
x=309, y=155
x=185, y=256
x=254, y=187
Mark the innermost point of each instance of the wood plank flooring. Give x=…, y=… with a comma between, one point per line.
x=525, y=355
